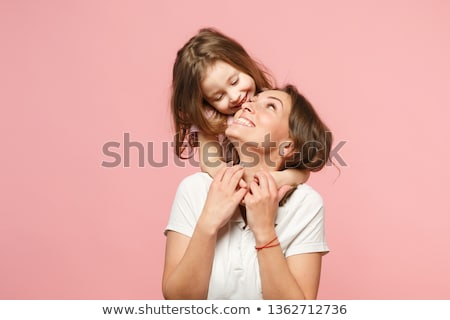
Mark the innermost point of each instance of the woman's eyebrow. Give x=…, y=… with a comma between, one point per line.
x=272, y=97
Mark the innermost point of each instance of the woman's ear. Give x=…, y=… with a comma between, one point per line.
x=287, y=149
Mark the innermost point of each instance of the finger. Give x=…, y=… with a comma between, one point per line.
x=242, y=183
x=272, y=184
x=236, y=178
x=240, y=195
x=219, y=175
x=267, y=183
x=230, y=172
x=255, y=190
x=262, y=181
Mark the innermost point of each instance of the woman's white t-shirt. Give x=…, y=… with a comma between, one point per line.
x=235, y=273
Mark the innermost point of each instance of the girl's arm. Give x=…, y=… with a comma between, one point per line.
x=295, y=277
x=211, y=155
x=290, y=176
x=188, y=261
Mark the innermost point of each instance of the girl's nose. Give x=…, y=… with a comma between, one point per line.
x=235, y=97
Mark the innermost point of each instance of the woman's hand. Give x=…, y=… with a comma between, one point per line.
x=225, y=194
x=262, y=205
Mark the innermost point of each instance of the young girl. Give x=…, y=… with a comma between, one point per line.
x=213, y=76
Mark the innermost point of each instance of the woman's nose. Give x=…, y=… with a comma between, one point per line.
x=248, y=106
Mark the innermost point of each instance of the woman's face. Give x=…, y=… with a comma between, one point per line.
x=263, y=119
x=226, y=88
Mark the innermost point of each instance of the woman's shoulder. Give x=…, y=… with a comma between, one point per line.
x=305, y=192
x=197, y=179
x=304, y=205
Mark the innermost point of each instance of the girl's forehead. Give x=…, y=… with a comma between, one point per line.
x=218, y=67
x=219, y=63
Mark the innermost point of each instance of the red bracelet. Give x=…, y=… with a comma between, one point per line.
x=268, y=244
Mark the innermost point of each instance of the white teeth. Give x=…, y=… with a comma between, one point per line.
x=244, y=122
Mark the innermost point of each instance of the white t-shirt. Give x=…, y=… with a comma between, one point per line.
x=235, y=272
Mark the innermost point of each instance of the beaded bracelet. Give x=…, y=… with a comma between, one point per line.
x=268, y=244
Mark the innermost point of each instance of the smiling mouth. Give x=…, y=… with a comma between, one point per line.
x=239, y=105
x=244, y=122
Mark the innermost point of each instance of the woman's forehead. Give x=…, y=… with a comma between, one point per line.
x=278, y=94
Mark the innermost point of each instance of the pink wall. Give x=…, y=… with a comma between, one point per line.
x=77, y=74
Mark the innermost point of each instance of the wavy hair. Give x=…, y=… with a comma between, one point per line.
x=311, y=137
x=188, y=105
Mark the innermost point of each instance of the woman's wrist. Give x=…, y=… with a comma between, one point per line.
x=207, y=226
x=262, y=237
x=270, y=244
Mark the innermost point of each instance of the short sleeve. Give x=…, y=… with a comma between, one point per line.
x=308, y=224
x=188, y=204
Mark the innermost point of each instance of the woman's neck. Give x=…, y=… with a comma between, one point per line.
x=253, y=164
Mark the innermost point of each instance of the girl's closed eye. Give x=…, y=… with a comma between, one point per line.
x=235, y=81
x=271, y=106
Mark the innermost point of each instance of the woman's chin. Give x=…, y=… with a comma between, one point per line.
x=233, y=133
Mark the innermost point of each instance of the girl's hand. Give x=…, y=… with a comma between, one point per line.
x=224, y=195
x=262, y=205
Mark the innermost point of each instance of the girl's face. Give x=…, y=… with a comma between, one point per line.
x=226, y=88
x=264, y=119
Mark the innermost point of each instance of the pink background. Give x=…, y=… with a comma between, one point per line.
x=77, y=74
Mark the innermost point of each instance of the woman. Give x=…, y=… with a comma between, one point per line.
x=218, y=249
